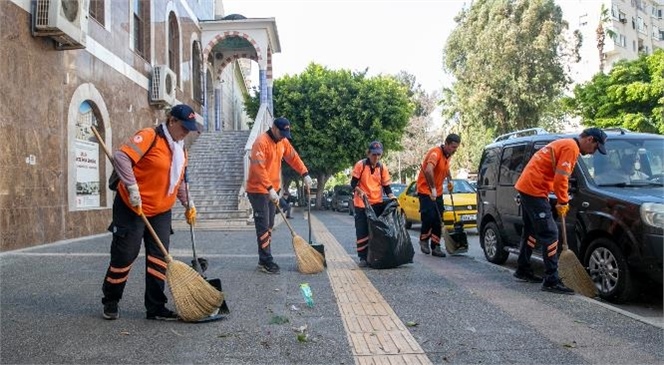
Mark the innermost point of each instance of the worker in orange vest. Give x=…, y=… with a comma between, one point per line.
x=548, y=171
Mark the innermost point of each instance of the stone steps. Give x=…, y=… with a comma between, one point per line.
x=216, y=173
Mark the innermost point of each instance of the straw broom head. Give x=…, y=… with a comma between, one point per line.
x=574, y=275
x=194, y=297
x=309, y=261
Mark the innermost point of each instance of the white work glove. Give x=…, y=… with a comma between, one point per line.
x=273, y=195
x=308, y=182
x=134, y=195
x=434, y=194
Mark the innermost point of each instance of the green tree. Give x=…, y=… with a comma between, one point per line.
x=630, y=96
x=334, y=115
x=507, y=57
x=420, y=135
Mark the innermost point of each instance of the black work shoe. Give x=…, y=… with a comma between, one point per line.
x=363, y=262
x=111, y=311
x=162, y=315
x=269, y=267
x=424, y=246
x=558, y=288
x=529, y=278
x=437, y=252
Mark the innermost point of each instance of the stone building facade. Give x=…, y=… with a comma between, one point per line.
x=53, y=181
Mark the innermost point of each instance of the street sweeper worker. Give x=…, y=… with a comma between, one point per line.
x=433, y=172
x=371, y=178
x=264, y=183
x=151, y=167
x=548, y=171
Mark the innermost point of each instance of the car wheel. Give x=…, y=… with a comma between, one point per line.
x=609, y=270
x=492, y=244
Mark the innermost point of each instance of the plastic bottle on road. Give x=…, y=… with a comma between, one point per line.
x=306, y=293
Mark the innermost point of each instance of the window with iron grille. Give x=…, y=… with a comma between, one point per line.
x=197, y=73
x=97, y=10
x=141, y=15
x=174, y=46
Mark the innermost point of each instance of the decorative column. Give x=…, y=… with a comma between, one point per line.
x=270, y=102
x=217, y=108
x=205, y=98
x=262, y=74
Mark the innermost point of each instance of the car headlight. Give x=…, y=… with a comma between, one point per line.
x=448, y=207
x=653, y=214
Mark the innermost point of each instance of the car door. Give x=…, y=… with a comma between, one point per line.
x=512, y=162
x=410, y=202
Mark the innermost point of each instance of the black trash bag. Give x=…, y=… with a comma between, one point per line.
x=389, y=242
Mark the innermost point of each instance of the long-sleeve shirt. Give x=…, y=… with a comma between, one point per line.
x=549, y=170
x=265, y=163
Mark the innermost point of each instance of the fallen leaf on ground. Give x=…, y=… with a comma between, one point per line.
x=411, y=324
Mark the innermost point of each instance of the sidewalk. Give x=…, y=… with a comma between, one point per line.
x=451, y=310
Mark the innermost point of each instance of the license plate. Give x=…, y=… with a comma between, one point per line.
x=468, y=217
x=344, y=204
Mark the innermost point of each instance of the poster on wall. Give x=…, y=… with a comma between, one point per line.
x=87, y=160
x=87, y=174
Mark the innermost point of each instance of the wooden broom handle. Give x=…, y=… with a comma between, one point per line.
x=145, y=219
x=562, y=221
x=167, y=257
x=283, y=216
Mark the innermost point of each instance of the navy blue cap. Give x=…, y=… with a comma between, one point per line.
x=284, y=126
x=599, y=136
x=376, y=147
x=186, y=115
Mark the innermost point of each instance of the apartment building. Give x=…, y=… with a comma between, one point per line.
x=118, y=65
x=637, y=25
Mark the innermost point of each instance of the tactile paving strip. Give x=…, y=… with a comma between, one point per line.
x=375, y=333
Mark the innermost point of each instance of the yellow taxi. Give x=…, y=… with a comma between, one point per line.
x=465, y=205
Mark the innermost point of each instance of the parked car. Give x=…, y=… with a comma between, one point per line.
x=327, y=200
x=341, y=198
x=397, y=189
x=615, y=229
x=465, y=205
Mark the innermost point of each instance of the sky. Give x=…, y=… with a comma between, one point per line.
x=384, y=36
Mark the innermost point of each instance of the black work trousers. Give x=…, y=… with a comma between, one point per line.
x=128, y=231
x=538, y=228
x=430, y=215
x=264, y=210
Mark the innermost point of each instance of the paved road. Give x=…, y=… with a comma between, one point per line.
x=451, y=310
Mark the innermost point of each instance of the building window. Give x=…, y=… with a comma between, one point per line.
x=141, y=16
x=174, y=46
x=97, y=11
x=620, y=40
x=197, y=72
x=640, y=25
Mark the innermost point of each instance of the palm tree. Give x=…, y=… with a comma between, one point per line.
x=602, y=33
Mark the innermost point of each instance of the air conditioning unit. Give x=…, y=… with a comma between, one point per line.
x=162, y=86
x=65, y=21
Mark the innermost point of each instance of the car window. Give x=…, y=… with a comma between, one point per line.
x=487, y=176
x=511, y=164
x=412, y=190
x=627, y=162
x=461, y=186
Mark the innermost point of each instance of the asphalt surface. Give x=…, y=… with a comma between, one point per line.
x=460, y=310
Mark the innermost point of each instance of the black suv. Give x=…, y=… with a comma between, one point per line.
x=616, y=220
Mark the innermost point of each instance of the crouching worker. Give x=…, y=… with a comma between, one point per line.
x=369, y=178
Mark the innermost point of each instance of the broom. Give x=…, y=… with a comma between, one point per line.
x=309, y=261
x=571, y=272
x=450, y=244
x=194, y=297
